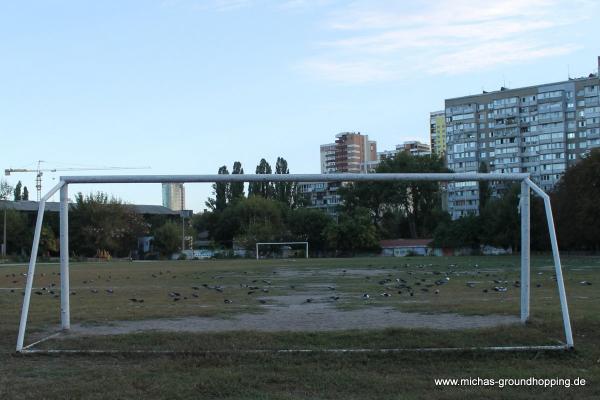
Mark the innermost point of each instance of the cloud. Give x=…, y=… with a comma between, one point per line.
x=379, y=41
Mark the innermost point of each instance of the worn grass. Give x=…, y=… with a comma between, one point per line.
x=305, y=376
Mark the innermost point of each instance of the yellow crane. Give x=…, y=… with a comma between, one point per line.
x=40, y=172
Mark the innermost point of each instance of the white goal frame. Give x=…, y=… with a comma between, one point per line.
x=282, y=243
x=524, y=206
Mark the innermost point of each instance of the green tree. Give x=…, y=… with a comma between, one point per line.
x=414, y=202
x=99, y=223
x=17, y=192
x=260, y=220
x=501, y=221
x=309, y=225
x=462, y=232
x=283, y=190
x=236, y=190
x=354, y=232
x=167, y=238
x=221, y=193
x=25, y=193
x=263, y=189
x=575, y=203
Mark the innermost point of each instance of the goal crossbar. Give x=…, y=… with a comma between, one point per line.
x=524, y=206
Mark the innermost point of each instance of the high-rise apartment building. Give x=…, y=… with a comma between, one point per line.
x=541, y=130
x=437, y=132
x=412, y=147
x=350, y=153
x=173, y=196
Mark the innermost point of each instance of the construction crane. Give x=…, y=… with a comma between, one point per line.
x=40, y=172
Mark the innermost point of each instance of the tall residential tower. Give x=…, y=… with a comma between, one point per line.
x=541, y=130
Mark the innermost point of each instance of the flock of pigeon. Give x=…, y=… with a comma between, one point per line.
x=261, y=286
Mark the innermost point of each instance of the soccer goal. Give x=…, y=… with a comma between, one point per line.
x=282, y=250
x=526, y=187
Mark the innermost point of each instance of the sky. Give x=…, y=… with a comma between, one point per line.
x=185, y=86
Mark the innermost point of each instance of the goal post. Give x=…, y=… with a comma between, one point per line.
x=258, y=244
x=524, y=207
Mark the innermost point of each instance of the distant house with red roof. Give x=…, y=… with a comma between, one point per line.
x=406, y=247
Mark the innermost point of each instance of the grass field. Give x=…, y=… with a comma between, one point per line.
x=247, y=290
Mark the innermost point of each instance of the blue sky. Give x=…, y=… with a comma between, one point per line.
x=185, y=86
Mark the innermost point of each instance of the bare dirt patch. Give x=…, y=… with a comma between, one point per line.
x=293, y=313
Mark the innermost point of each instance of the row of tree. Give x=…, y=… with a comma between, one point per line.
x=370, y=211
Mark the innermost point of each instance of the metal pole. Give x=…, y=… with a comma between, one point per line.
x=257, y=251
x=31, y=270
x=306, y=249
x=65, y=307
x=525, y=251
x=557, y=265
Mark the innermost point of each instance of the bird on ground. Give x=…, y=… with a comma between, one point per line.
x=261, y=301
x=174, y=294
x=227, y=301
x=385, y=294
x=195, y=295
x=366, y=296
x=587, y=283
x=94, y=290
x=39, y=293
x=110, y=291
x=335, y=298
x=308, y=301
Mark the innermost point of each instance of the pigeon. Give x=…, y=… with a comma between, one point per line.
x=308, y=300
x=94, y=290
x=195, y=295
x=227, y=301
x=176, y=299
x=437, y=291
x=335, y=298
x=110, y=291
x=366, y=296
x=73, y=293
x=471, y=284
x=385, y=294
x=485, y=290
x=39, y=293
x=538, y=285
x=174, y=294
x=261, y=301
x=585, y=283
x=195, y=288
